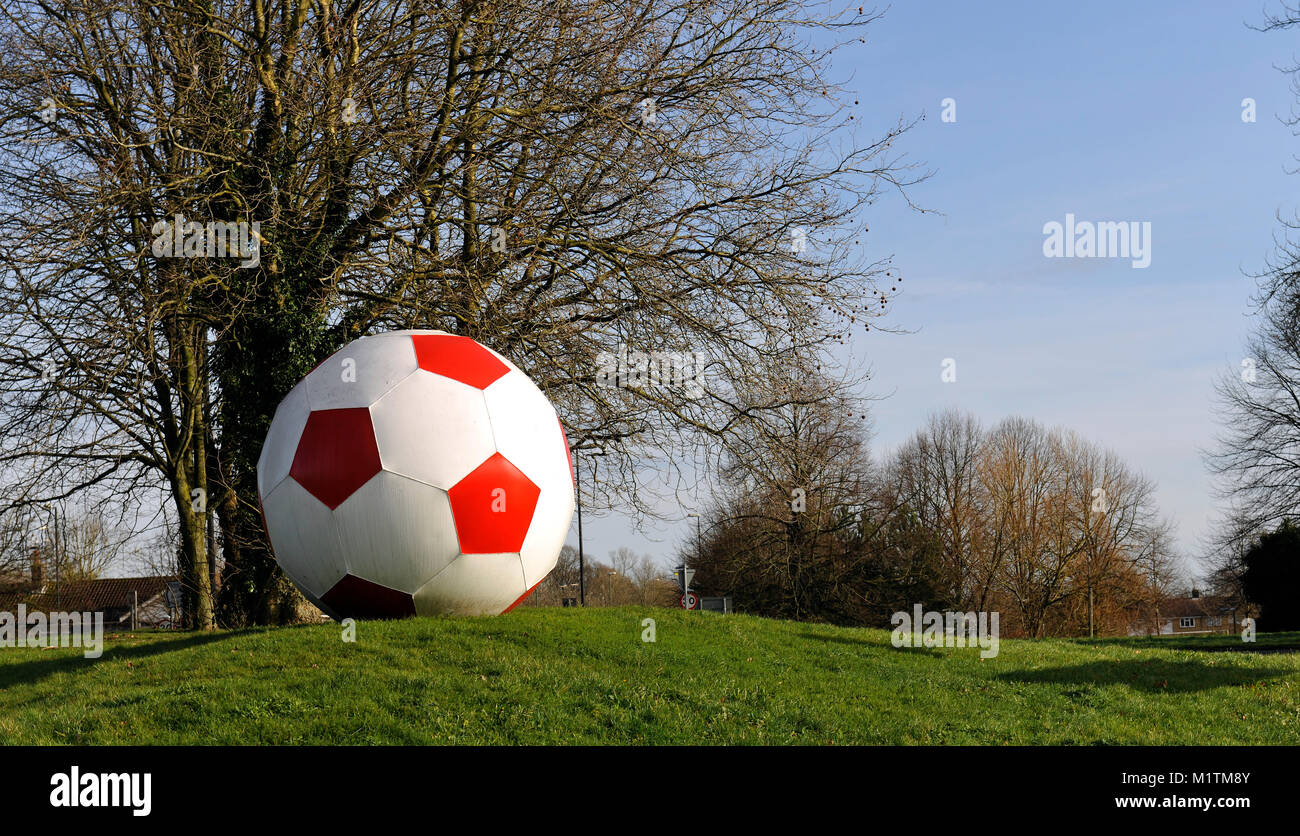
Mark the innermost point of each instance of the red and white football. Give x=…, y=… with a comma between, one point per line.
x=416, y=472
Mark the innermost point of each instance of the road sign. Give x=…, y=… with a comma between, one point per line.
x=690, y=576
x=690, y=601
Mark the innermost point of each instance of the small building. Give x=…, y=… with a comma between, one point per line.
x=1194, y=615
x=156, y=598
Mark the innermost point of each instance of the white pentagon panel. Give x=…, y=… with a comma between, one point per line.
x=432, y=429
x=282, y=440
x=551, y=521
x=525, y=428
x=474, y=584
x=361, y=372
x=396, y=532
x=303, y=536
x=528, y=433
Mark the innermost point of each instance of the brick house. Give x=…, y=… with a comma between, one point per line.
x=156, y=598
x=1197, y=614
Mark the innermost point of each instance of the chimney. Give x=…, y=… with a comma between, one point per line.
x=1196, y=593
x=38, y=574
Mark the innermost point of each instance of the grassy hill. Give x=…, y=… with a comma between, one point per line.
x=584, y=676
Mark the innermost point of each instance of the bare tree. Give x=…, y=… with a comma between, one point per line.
x=788, y=519
x=19, y=542
x=568, y=181
x=1257, y=457
x=936, y=473
x=82, y=545
x=1111, y=514
x=1023, y=476
x=640, y=570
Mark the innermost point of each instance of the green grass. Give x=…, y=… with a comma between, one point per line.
x=540, y=676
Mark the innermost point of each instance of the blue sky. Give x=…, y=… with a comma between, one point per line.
x=1107, y=110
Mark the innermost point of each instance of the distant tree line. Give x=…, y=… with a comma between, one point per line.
x=1050, y=530
x=624, y=578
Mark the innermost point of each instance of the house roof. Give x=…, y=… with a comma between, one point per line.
x=13, y=582
x=1192, y=607
x=88, y=596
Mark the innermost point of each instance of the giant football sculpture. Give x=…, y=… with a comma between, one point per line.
x=416, y=472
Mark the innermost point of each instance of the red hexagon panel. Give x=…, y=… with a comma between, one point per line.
x=336, y=454
x=493, y=507
x=354, y=597
x=459, y=358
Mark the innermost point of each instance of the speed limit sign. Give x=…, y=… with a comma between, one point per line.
x=690, y=601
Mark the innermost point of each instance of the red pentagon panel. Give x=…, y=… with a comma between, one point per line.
x=493, y=507
x=336, y=454
x=354, y=597
x=568, y=451
x=459, y=358
x=521, y=598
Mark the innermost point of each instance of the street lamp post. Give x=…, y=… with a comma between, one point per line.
x=699, y=547
x=52, y=532
x=58, y=559
x=577, y=484
x=40, y=551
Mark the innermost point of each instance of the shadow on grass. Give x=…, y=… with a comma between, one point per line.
x=929, y=651
x=1264, y=643
x=27, y=673
x=1153, y=676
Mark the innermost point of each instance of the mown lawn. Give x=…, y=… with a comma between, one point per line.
x=545, y=676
